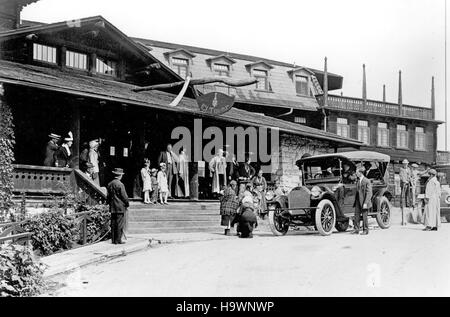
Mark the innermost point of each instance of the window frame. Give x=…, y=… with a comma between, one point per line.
x=401, y=132
x=341, y=127
x=77, y=68
x=300, y=120
x=381, y=130
x=176, y=66
x=422, y=135
x=54, y=54
x=306, y=82
x=266, y=79
x=365, y=128
x=105, y=61
x=219, y=72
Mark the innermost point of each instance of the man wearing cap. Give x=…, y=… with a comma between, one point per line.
x=363, y=201
x=52, y=147
x=118, y=203
x=405, y=181
x=246, y=218
x=432, y=215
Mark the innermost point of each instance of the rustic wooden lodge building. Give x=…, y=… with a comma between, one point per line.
x=81, y=76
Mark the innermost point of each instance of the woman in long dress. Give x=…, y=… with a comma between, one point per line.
x=183, y=186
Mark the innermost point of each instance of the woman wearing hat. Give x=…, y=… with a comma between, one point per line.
x=52, y=147
x=64, y=154
x=432, y=215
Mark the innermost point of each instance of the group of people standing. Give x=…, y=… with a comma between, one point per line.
x=410, y=189
x=58, y=151
x=170, y=180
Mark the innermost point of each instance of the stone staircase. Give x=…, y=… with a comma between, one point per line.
x=174, y=218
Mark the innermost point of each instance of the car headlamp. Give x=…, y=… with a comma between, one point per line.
x=270, y=195
x=447, y=199
x=316, y=191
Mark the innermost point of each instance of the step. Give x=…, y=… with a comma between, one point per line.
x=175, y=206
x=146, y=212
x=171, y=217
x=217, y=229
x=174, y=224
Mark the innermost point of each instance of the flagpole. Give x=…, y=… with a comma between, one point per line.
x=446, y=110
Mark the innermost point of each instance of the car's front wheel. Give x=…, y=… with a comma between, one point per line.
x=278, y=223
x=384, y=213
x=325, y=218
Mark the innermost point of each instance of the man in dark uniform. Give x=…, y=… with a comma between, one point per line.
x=118, y=203
x=363, y=201
x=51, y=148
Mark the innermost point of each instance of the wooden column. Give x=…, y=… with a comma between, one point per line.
x=364, y=87
x=400, y=94
x=384, y=93
x=325, y=94
x=433, y=99
x=75, y=128
x=62, y=57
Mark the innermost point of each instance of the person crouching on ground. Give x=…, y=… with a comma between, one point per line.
x=155, y=191
x=163, y=186
x=432, y=216
x=117, y=200
x=246, y=218
x=229, y=204
x=146, y=181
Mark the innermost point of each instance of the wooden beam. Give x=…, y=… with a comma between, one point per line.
x=202, y=81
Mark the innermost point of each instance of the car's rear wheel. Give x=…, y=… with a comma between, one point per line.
x=325, y=217
x=384, y=213
x=342, y=226
x=279, y=225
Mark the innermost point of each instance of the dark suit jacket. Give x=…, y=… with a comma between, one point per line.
x=163, y=159
x=363, y=193
x=50, y=154
x=243, y=172
x=233, y=170
x=117, y=197
x=62, y=157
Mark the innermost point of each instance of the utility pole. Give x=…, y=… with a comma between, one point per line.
x=446, y=107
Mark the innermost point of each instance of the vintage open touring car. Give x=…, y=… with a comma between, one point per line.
x=325, y=199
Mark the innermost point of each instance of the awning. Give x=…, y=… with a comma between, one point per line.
x=95, y=87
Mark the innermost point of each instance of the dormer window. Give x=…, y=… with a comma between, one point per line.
x=105, y=66
x=263, y=79
x=301, y=85
x=44, y=53
x=180, y=66
x=76, y=60
x=221, y=69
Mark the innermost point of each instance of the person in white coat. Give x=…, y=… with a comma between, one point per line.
x=432, y=215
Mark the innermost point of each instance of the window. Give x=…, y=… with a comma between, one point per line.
x=76, y=60
x=181, y=66
x=301, y=120
x=343, y=128
x=263, y=80
x=222, y=69
x=105, y=67
x=44, y=53
x=301, y=85
x=420, y=139
x=402, y=136
x=383, y=134
x=363, y=132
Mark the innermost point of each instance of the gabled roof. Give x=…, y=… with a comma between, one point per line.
x=93, y=87
x=181, y=50
x=261, y=62
x=221, y=56
x=297, y=69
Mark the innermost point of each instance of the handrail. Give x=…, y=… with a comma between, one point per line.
x=42, y=168
x=85, y=183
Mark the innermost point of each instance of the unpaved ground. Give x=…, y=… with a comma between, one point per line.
x=400, y=261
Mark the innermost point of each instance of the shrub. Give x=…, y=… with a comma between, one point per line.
x=20, y=273
x=52, y=231
x=98, y=223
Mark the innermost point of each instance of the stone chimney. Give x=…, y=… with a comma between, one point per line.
x=10, y=13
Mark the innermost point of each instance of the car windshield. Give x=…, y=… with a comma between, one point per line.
x=326, y=169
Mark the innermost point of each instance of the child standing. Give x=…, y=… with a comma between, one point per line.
x=155, y=192
x=146, y=181
x=163, y=186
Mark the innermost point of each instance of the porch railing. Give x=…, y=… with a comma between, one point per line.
x=14, y=232
x=41, y=179
x=376, y=107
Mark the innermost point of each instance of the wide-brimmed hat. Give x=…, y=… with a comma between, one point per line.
x=414, y=165
x=405, y=161
x=54, y=136
x=432, y=172
x=118, y=171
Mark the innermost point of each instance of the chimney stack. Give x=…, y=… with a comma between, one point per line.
x=325, y=83
x=364, y=89
x=384, y=93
